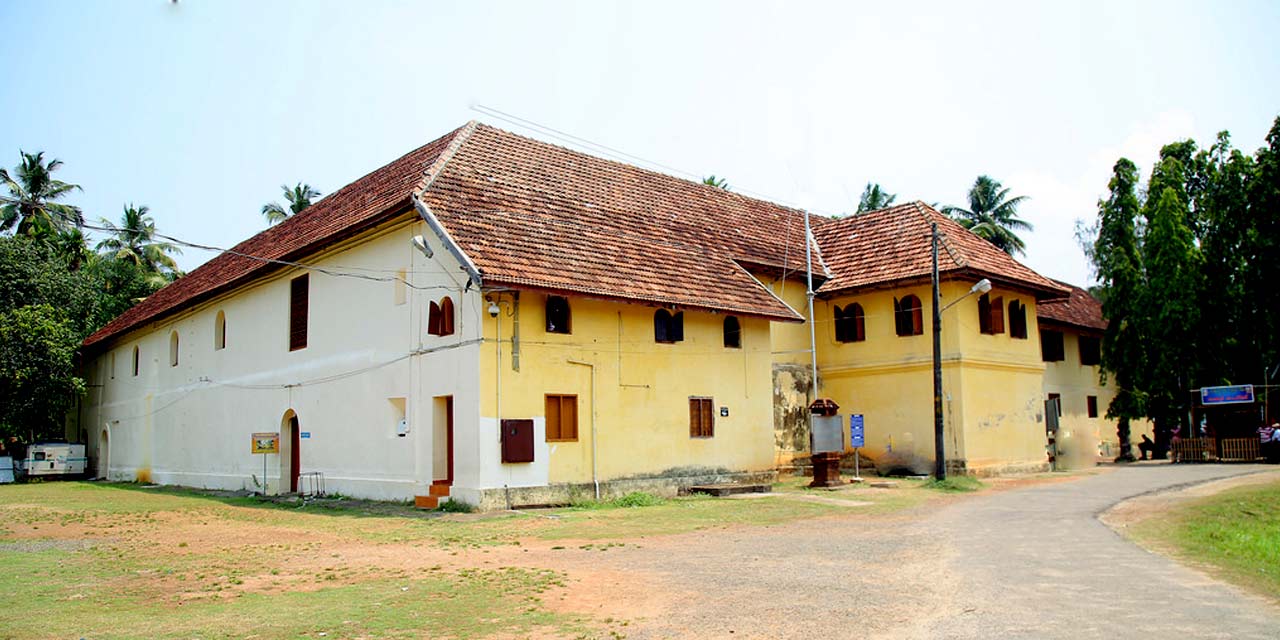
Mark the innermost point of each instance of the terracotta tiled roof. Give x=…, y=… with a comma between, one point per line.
x=532, y=214
x=891, y=246
x=1081, y=309
x=368, y=201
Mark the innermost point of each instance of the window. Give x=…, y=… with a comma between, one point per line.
x=173, y=349
x=1051, y=349
x=908, y=319
x=299, y=294
x=558, y=317
x=135, y=360
x=850, y=324
x=668, y=327
x=1017, y=320
x=1090, y=350
x=220, y=331
x=562, y=418
x=1092, y=402
x=732, y=333
x=701, y=420
x=440, y=318
x=991, y=314
x=1058, y=398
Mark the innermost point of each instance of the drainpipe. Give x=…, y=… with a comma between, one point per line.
x=595, y=472
x=813, y=337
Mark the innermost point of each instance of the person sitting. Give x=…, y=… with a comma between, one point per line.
x=1146, y=447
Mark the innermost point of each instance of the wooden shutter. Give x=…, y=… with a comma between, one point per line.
x=661, y=326
x=562, y=417
x=299, y=294
x=917, y=317
x=446, y=316
x=859, y=323
x=997, y=315
x=433, y=319
x=701, y=420
x=677, y=327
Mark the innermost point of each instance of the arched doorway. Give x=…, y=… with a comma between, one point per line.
x=104, y=455
x=290, y=452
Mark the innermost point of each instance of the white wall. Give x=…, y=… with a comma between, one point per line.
x=191, y=424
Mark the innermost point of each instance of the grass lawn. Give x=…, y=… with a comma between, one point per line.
x=1237, y=532
x=100, y=560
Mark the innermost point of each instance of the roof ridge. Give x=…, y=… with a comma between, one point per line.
x=432, y=171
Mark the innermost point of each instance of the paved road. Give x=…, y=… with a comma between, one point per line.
x=1027, y=563
x=1037, y=563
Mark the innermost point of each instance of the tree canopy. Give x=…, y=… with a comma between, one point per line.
x=713, y=181
x=299, y=198
x=874, y=197
x=993, y=215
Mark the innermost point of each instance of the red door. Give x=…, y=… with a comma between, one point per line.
x=295, y=441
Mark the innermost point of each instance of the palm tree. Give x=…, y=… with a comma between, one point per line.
x=135, y=241
x=713, y=181
x=299, y=198
x=32, y=191
x=873, y=197
x=992, y=215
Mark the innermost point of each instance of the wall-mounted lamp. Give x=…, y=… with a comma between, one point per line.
x=421, y=244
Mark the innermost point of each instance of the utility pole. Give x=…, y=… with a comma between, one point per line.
x=939, y=443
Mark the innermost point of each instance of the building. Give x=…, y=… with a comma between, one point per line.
x=1071, y=331
x=508, y=322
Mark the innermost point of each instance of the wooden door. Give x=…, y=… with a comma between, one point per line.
x=295, y=441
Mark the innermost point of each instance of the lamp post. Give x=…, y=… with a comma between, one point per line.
x=982, y=286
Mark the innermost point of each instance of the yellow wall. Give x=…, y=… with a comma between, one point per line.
x=991, y=383
x=1083, y=440
x=642, y=388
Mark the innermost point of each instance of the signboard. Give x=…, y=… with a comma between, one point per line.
x=1237, y=394
x=827, y=435
x=266, y=442
x=305, y=435
x=856, y=435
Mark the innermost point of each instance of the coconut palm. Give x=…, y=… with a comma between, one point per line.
x=873, y=197
x=33, y=191
x=135, y=241
x=299, y=198
x=992, y=215
x=713, y=181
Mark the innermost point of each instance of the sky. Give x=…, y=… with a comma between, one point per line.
x=201, y=109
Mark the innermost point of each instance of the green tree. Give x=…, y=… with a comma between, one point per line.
x=37, y=372
x=299, y=198
x=873, y=198
x=32, y=204
x=1171, y=300
x=993, y=215
x=713, y=181
x=135, y=241
x=1262, y=248
x=1118, y=265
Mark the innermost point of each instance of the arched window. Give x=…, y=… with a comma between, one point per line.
x=440, y=318
x=559, y=319
x=667, y=327
x=220, y=331
x=908, y=316
x=850, y=324
x=135, y=360
x=1017, y=320
x=173, y=349
x=732, y=333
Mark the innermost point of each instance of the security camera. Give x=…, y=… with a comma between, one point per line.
x=493, y=309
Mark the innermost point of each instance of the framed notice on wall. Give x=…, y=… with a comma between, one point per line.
x=266, y=442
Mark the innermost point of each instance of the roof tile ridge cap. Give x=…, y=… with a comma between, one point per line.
x=769, y=291
x=942, y=237
x=817, y=248
x=432, y=171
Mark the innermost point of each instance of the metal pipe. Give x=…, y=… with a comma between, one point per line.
x=939, y=445
x=595, y=472
x=813, y=336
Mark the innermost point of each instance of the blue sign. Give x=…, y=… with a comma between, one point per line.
x=1237, y=394
x=305, y=435
x=856, y=438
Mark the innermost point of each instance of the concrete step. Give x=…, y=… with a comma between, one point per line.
x=729, y=489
